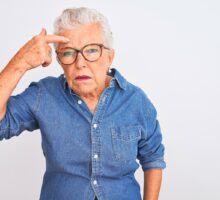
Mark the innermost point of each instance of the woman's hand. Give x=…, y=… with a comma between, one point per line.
x=37, y=51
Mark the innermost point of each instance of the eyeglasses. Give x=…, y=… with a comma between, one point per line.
x=91, y=53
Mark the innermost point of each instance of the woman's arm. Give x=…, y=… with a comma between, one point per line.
x=152, y=183
x=34, y=53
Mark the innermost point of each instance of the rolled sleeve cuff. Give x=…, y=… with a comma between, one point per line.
x=2, y=131
x=1, y=121
x=161, y=164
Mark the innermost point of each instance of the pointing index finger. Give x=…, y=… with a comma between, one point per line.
x=56, y=39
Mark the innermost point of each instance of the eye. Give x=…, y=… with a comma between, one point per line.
x=91, y=50
x=68, y=53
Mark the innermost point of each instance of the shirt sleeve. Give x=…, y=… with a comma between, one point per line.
x=21, y=112
x=150, y=147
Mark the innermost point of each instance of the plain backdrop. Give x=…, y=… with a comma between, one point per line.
x=168, y=48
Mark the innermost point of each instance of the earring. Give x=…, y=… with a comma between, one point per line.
x=109, y=71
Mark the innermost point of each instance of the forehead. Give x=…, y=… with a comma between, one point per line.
x=82, y=35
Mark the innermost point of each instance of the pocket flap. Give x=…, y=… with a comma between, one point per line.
x=127, y=133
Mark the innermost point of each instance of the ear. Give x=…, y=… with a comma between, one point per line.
x=111, y=56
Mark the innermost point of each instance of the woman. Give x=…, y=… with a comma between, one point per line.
x=94, y=123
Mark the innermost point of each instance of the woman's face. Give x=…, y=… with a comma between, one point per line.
x=79, y=37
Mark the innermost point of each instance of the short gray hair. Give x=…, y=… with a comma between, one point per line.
x=73, y=17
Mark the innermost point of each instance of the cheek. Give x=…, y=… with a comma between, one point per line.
x=103, y=65
x=100, y=75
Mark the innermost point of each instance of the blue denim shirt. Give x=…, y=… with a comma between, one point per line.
x=88, y=154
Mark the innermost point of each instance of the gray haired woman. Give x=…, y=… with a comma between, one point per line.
x=94, y=123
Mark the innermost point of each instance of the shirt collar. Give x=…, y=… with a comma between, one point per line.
x=117, y=77
x=122, y=82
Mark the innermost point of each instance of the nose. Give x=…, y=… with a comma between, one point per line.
x=80, y=60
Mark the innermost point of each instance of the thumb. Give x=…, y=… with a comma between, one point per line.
x=43, y=32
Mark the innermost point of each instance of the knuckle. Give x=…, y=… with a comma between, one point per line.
x=36, y=38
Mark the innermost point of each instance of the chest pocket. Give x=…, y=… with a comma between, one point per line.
x=125, y=142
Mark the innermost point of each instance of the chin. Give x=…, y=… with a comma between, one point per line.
x=84, y=90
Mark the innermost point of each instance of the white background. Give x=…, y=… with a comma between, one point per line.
x=168, y=48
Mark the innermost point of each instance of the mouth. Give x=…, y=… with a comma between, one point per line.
x=82, y=78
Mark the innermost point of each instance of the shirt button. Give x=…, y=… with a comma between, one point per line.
x=95, y=125
x=79, y=102
x=95, y=182
x=95, y=156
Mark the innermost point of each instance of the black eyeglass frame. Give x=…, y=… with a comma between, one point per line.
x=81, y=51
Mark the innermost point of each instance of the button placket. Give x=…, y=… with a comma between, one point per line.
x=96, y=139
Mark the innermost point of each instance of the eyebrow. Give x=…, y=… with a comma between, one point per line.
x=67, y=47
x=70, y=47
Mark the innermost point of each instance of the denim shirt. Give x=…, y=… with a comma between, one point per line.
x=88, y=154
